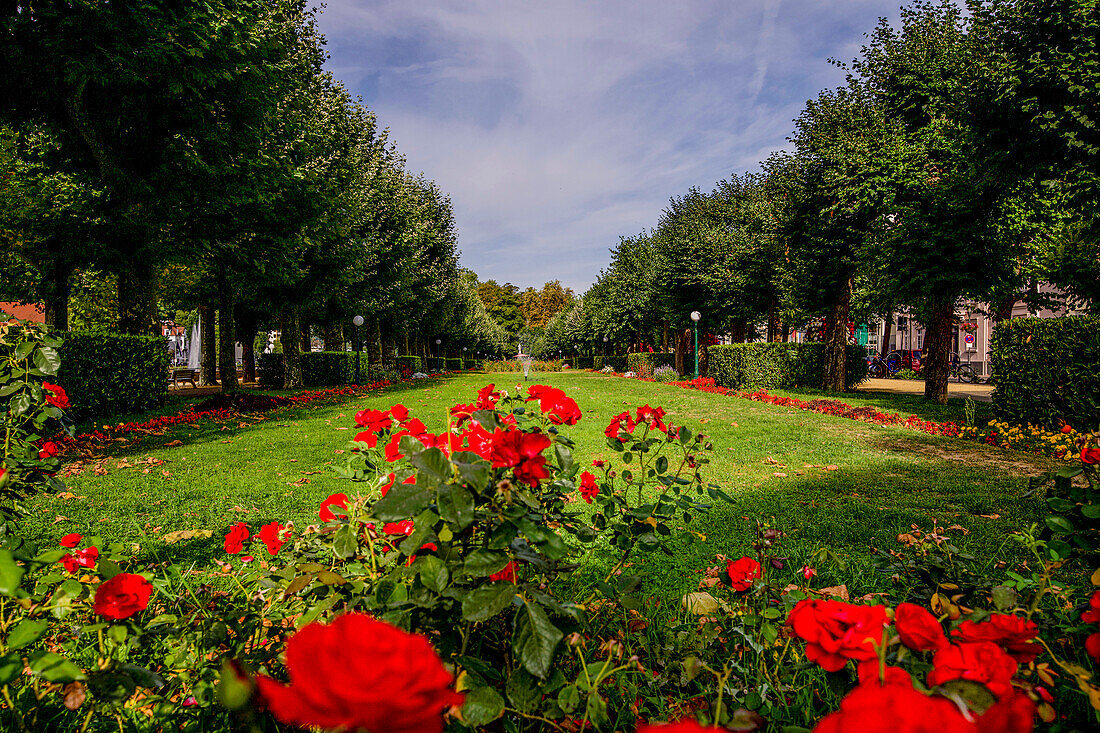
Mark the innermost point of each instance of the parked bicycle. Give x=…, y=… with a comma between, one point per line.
x=888, y=367
x=963, y=371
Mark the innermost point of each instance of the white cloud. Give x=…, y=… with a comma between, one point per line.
x=558, y=126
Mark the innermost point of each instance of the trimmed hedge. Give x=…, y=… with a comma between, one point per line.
x=271, y=371
x=581, y=362
x=515, y=365
x=109, y=374
x=332, y=368
x=411, y=364
x=645, y=363
x=1046, y=371
x=779, y=365
x=452, y=365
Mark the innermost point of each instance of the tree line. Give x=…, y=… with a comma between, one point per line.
x=960, y=160
x=195, y=155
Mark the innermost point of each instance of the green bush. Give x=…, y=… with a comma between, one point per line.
x=645, y=363
x=410, y=364
x=779, y=365
x=272, y=371
x=109, y=374
x=1047, y=370
x=580, y=362
x=514, y=365
x=331, y=368
x=453, y=365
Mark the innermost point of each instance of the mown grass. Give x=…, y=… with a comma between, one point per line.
x=279, y=467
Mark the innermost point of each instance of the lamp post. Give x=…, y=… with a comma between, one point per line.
x=464, y=358
x=695, y=316
x=357, y=322
x=438, y=352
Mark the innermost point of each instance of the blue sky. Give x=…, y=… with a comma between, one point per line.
x=558, y=125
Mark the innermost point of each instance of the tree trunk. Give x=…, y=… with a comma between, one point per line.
x=836, y=340
x=1003, y=309
x=56, y=297
x=137, y=302
x=227, y=341
x=290, y=335
x=373, y=353
x=774, y=324
x=937, y=343
x=884, y=347
x=307, y=340
x=333, y=335
x=248, y=361
x=664, y=336
x=738, y=328
x=209, y=363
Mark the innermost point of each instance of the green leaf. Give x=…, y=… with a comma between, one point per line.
x=483, y=603
x=535, y=640
x=47, y=360
x=10, y=573
x=1091, y=511
x=26, y=632
x=433, y=572
x=483, y=705
x=20, y=404
x=456, y=505
x=522, y=689
x=482, y=563
x=662, y=464
x=1058, y=524
x=54, y=667
x=143, y=677
x=473, y=469
x=233, y=691
x=1004, y=597
x=11, y=666
x=404, y=501
x=569, y=698
x=433, y=463
x=344, y=542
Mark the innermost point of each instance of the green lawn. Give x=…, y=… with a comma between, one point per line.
x=278, y=467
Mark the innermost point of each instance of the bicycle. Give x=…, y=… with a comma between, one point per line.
x=882, y=368
x=963, y=372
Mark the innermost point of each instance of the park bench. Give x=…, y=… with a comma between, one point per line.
x=184, y=375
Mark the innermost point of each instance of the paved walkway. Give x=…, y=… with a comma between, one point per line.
x=977, y=392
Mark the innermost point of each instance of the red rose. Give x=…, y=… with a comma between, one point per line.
x=589, y=489
x=366, y=436
x=399, y=413
x=871, y=674
x=1013, y=633
x=235, y=537
x=508, y=573
x=651, y=416
x=122, y=596
x=1092, y=646
x=978, y=661
x=1013, y=714
x=621, y=423
x=270, y=535
x=919, y=630
x=337, y=500
x=71, y=540
x=835, y=632
x=742, y=572
x=894, y=709
x=55, y=395
x=522, y=451
x=404, y=527
x=49, y=449
x=1090, y=455
x=487, y=397
x=373, y=420
x=361, y=674
x=1092, y=616
x=555, y=404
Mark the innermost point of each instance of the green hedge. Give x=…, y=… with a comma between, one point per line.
x=1047, y=370
x=410, y=364
x=453, y=365
x=271, y=371
x=515, y=365
x=580, y=362
x=109, y=374
x=645, y=363
x=332, y=368
x=779, y=365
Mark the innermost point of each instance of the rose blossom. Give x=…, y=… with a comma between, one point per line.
x=71, y=540
x=1092, y=616
x=589, y=489
x=360, y=673
x=742, y=572
x=894, y=708
x=235, y=537
x=337, y=500
x=919, y=630
x=55, y=395
x=835, y=631
x=978, y=661
x=122, y=596
x=1011, y=632
x=271, y=535
x=508, y=572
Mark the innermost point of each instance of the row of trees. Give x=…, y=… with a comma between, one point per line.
x=961, y=160
x=196, y=155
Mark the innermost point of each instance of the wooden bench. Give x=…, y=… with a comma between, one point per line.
x=179, y=376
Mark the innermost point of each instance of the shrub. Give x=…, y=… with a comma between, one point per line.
x=909, y=374
x=332, y=368
x=108, y=373
x=581, y=362
x=272, y=371
x=779, y=365
x=1046, y=371
x=408, y=365
x=515, y=365
x=645, y=364
x=453, y=365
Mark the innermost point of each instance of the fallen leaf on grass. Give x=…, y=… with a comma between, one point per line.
x=225, y=441
x=299, y=482
x=771, y=461
x=310, y=473
x=59, y=519
x=832, y=467
x=73, y=695
x=186, y=534
x=343, y=428
x=700, y=603
x=173, y=444
x=990, y=516
x=779, y=475
x=835, y=591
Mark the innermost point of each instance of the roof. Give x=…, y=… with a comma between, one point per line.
x=32, y=312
